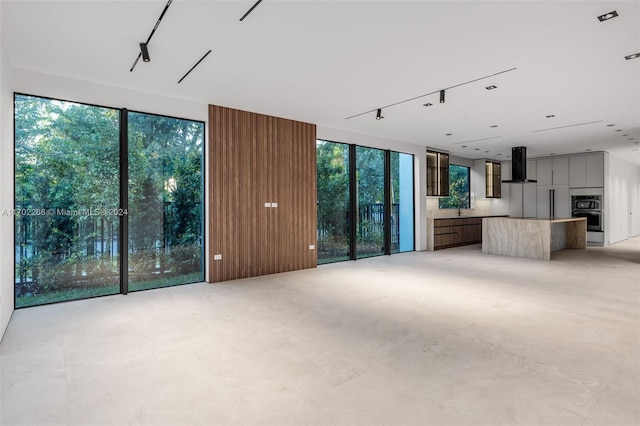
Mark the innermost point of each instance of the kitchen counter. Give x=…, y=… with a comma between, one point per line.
x=468, y=217
x=532, y=238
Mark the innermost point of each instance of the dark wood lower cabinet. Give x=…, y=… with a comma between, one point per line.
x=456, y=232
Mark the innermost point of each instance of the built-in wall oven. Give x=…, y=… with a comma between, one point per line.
x=589, y=206
x=588, y=203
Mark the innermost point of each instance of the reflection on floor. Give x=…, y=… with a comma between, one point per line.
x=452, y=337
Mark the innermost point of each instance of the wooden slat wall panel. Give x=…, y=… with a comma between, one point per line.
x=255, y=159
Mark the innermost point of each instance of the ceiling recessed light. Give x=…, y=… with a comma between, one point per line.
x=631, y=139
x=464, y=146
x=498, y=154
x=553, y=153
x=625, y=135
x=550, y=116
x=493, y=126
x=607, y=16
x=491, y=87
x=448, y=134
x=587, y=150
x=476, y=149
x=486, y=152
x=618, y=130
x=428, y=104
x=635, y=55
x=610, y=125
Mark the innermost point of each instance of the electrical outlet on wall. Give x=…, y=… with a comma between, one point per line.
x=274, y=205
x=312, y=247
x=217, y=257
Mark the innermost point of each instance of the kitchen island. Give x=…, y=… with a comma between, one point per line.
x=445, y=232
x=532, y=238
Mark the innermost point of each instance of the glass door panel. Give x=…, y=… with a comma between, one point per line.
x=402, y=208
x=370, y=193
x=66, y=201
x=333, y=201
x=165, y=201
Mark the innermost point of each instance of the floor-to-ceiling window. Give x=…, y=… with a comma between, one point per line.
x=402, y=208
x=370, y=196
x=66, y=190
x=164, y=201
x=333, y=201
x=69, y=213
x=365, y=202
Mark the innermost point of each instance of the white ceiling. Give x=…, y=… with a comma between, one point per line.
x=323, y=61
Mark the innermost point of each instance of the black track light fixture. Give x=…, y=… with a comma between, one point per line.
x=145, y=52
x=379, y=114
x=442, y=96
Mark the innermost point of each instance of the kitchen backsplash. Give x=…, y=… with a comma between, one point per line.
x=482, y=208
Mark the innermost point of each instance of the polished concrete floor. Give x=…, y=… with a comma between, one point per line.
x=453, y=337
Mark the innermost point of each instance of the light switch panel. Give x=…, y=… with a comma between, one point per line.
x=267, y=205
x=274, y=204
x=217, y=257
x=312, y=247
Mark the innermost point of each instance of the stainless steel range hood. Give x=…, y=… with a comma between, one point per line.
x=519, y=166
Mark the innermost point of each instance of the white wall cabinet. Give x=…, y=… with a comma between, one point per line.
x=577, y=171
x=586, y=171
x=522, y=196
x=532, y=171
x=553, y=175
x=595, y=170
x=562, y=201
x=522, y=200
x=552, y=171
x=544, y=172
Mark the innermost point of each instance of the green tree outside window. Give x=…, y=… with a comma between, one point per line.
x=458, y=189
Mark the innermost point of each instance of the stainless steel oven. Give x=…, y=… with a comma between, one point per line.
x=590, y=207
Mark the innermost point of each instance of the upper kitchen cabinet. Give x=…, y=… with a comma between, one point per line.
x=552, y=171
x=437, y=174
x=493, y=180
x=586, y=170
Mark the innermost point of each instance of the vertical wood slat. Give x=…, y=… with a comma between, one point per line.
x=257, y=159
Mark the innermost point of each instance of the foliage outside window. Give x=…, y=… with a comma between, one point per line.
x=333, y=201
x=458, y=189
x=68, y=209
x=337, y=194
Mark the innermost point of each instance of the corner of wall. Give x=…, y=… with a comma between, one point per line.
x=6, y=192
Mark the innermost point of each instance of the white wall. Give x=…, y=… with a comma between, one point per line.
x=420, y=170
x=39, y=84
x=622, y=197
x=6, y=192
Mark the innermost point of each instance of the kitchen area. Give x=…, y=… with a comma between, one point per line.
x=568, y=192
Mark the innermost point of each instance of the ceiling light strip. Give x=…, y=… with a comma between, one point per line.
x=250, y=10
x=570, y=125
x=155, y=27
x=431, y=93
x=192, y=68
x=478, y=140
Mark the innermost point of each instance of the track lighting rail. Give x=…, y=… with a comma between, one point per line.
x=441, y=91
